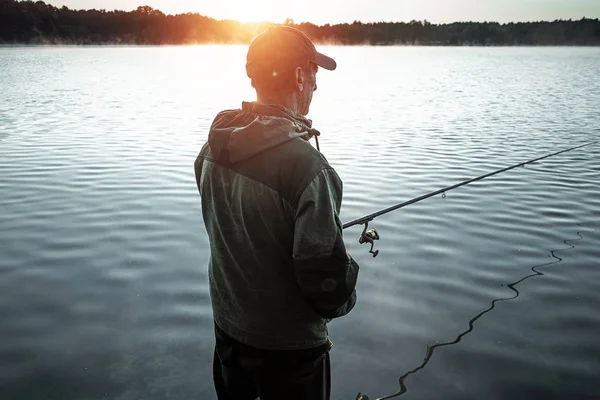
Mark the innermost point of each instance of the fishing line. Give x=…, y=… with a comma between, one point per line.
x=511, y=286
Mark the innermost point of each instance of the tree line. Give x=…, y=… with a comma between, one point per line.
x=29, y=22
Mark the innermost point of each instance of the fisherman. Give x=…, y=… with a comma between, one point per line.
x=278, y=269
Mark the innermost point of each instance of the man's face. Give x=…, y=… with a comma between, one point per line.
x=310, y=85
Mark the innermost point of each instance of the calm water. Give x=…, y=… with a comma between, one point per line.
x=103, y=268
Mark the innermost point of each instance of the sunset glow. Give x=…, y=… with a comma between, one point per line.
x=256, y=11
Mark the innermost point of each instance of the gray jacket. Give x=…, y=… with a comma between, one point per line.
x=278, y=267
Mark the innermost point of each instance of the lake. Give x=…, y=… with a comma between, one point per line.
x=492, y=292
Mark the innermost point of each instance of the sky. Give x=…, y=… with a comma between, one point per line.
x=336, y=11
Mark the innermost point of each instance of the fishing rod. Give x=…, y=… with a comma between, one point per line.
x=369, y=237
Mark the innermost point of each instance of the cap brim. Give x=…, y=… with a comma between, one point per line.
x=325, y=62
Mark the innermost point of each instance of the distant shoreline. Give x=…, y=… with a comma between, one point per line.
x=133, y=45
x=38, y=23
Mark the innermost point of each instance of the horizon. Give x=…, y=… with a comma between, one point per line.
x=441, y=11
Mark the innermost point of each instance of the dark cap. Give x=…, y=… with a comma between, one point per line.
x=284, y=45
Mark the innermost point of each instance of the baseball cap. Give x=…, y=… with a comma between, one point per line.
x=283, y=45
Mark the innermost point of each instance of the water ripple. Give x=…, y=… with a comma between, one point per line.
x=103, y=273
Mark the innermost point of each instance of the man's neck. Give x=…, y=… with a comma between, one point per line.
x=288, y=101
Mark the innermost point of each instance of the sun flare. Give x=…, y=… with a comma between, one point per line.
x=259, y=11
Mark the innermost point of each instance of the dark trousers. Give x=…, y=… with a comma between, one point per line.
x=242, y=372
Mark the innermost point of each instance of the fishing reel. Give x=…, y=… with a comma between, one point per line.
x=369, y=237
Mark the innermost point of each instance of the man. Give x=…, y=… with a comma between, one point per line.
x=278, y=270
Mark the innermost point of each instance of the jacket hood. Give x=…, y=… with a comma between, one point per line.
x=236, y=135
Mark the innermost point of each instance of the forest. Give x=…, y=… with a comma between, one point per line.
x=35, y=22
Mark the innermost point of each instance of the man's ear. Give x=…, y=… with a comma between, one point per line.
x=300, y=81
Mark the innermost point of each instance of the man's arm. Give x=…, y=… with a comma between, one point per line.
x=325, y=273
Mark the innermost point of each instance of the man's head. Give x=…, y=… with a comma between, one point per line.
x=282, y=63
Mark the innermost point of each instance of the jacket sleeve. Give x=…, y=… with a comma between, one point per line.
x=325, y=273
